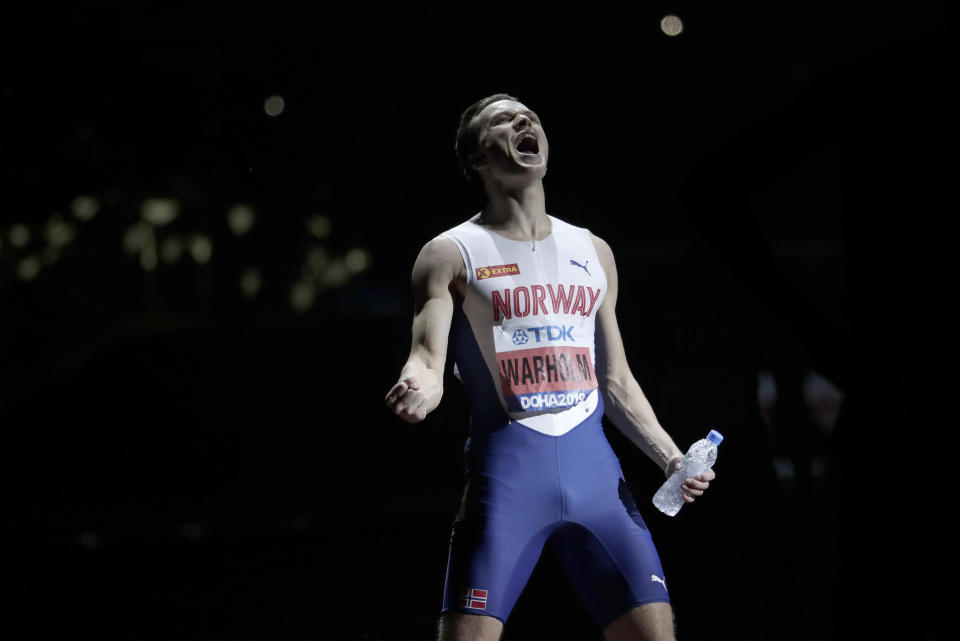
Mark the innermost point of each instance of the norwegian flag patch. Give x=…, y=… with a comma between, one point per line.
x=473, y=598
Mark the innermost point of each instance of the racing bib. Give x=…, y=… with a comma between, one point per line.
x=538, y=371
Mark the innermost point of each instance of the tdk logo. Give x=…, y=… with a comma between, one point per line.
x=551, y=333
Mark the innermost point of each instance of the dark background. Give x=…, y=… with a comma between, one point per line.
x=186, y=462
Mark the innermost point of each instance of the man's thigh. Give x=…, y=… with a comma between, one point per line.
x=649, y=622
x=458, y=626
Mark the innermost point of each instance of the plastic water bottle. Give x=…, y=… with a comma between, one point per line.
x=699, y=458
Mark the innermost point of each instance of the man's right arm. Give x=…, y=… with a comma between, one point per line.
x=420, y=386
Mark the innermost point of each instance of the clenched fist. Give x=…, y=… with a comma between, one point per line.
x=406, y=400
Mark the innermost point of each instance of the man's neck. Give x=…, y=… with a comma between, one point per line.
x=518, y=214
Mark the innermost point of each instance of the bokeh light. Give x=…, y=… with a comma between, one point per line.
x=160, y=211
x=336, y=274
x=274, y=106
x=29, y=267
x=319, y=225
x=171, y=249
x=671, y=25
x=302, y=296
x=137, y=236
x=357, y=260
x=19, y=235
x=58, y=232
x=148, y=257
x=201, y=248
x=85, y=207
x=250, y=282
x=50, y=255
x=88, y=540
x=314, y=263
x=240, y=219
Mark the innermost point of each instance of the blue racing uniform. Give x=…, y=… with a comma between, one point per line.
x=539, y=469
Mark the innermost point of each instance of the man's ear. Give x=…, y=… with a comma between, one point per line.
x=477, y=160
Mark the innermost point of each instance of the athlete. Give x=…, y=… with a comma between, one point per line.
x=526, y=303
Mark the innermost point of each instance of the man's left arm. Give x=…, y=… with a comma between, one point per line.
x=626, y=405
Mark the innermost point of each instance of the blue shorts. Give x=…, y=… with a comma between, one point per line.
x=525, y=489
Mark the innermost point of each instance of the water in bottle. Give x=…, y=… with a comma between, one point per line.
x=699, y=458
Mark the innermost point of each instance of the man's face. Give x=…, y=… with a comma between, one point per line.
x=511, y=145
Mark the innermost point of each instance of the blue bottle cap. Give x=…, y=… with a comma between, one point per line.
x=715, y=437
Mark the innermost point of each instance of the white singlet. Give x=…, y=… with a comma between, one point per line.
x=531, y=308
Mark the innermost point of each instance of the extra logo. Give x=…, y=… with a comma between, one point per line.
x=473, y=598
x=492, y=271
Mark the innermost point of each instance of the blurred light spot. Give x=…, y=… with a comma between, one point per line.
x=85, y=207
x=302, y=295
x=58, y=232
x=139, y=239
x=148, y=258
x=273, y=106
x=319, y=225
x=171, y=249
x=29, y=267
x=784, y=468
x=823, y=400
x=160, y=211
x=191, y=530
x=19, y=235
x=137, y=236
x=335, y=274
x=88, y=540
x=357, y=260
x=671, y=25
x=313, y=266
x=50, y=255
x=766, y=388
x=240, y=219
x=201, y=248
x=250, y=282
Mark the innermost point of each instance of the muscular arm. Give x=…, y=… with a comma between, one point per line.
x=420, y=386
x=625, y=402
x=626, y=405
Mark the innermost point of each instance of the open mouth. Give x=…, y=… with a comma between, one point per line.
x=527, y=143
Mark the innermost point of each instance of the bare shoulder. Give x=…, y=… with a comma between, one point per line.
x=440, y=253
x=439, y=263
x=604, y=252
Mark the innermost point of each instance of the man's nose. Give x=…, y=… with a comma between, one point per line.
x=522, y=122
